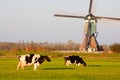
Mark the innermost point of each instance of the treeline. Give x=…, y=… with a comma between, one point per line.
x=6, y=47
x=20, y=47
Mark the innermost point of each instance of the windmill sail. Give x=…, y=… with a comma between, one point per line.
x=111, y=18
x=90, y=6
x=69, y=16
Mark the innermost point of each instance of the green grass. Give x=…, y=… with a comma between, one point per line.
x=96, y=69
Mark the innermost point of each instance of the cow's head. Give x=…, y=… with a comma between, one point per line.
x=47, y=58
x=82, y=61
x=43, y=58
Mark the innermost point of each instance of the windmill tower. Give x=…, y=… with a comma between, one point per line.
x=89, y=43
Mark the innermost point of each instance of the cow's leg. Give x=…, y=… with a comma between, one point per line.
x=23, y=65
x=67, y=63
x=78, y=64
x=19, y=65
x=35, y=66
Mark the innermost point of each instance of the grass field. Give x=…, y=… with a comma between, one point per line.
x=107, y=68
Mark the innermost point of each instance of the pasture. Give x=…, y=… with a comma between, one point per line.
x=98, y=68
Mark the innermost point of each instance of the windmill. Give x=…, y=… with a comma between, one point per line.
x=90, y=42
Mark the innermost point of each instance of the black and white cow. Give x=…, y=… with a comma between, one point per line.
x=31, y=59
x=74, y=60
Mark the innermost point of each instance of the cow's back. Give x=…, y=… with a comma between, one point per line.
x=73, y=58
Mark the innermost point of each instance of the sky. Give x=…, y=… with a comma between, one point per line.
x=33, y=20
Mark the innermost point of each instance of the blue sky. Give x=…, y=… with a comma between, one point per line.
x=33, y=20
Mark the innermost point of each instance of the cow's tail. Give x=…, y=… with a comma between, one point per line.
x=65, y=59
x=19, y=58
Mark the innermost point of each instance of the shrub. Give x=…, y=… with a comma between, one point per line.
x=115, y=47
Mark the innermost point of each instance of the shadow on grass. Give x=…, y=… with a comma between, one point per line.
x=57, y=68
x=94, y=65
